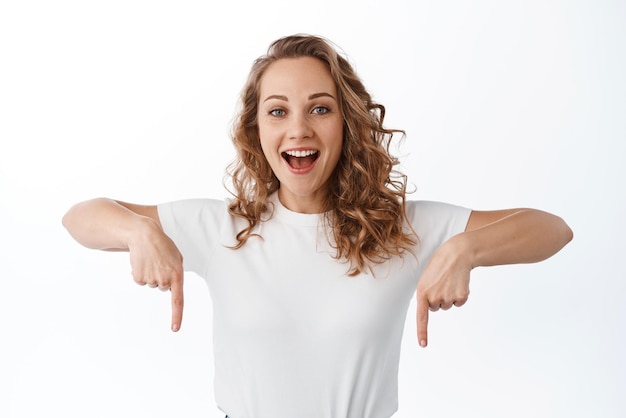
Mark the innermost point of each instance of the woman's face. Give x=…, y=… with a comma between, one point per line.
x=301, y=129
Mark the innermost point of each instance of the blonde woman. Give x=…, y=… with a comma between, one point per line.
x=312, y=264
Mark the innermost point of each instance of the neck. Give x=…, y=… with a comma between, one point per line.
x=302, y=204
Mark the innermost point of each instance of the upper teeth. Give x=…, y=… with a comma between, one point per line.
x=300, y=153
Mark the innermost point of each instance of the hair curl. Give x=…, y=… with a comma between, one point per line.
x=366, y=203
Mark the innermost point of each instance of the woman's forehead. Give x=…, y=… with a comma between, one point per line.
x=297, y=76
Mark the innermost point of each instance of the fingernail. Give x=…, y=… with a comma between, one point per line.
x=423, y=343
x=174, y=327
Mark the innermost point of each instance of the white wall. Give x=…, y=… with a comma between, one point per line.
x=506, y=104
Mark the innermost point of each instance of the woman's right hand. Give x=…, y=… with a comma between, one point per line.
x=106, y=224
x=155, y=261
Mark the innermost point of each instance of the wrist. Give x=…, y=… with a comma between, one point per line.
x=461, y=247
x=142, y=229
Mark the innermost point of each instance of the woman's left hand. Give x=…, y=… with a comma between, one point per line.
x=443, y=284
x=491, y=238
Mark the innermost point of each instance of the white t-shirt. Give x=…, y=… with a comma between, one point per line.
x=293, y=335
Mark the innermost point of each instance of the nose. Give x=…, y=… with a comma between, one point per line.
x=300, y=127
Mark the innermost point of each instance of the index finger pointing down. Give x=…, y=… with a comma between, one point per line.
x=422, y=321
x=178, y=302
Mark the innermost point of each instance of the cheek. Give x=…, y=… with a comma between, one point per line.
x=263, y=142
x=337, y=139
x=265, y=149
x=268, y=149
x=265, y=135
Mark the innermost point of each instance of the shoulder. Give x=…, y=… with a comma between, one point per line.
x=193, y=205
x=428, y=209
x=431, y=217
x=192, y=211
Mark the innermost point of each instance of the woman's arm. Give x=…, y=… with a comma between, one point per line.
x=106, y=224
x=490, y=238
x=512, y=236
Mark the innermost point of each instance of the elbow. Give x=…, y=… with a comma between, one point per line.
x=72, y=218
x=565, y=232
x=68, y=219
x=569, y=234
x=68, y=223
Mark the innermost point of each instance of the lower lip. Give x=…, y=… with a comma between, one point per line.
x=301, y=170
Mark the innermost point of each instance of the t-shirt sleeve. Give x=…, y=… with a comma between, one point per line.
x=194, y=226
x=435, y=223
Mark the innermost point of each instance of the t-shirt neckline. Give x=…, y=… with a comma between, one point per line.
x=294, y=218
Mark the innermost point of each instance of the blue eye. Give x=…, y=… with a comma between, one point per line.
x=277, y=112
x=321, y=110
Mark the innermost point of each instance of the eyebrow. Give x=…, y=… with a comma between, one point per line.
x=311, y=97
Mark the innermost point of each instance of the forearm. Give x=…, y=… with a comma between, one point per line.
x=104, y=224
x=526, y=236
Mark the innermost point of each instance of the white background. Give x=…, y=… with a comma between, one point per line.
x=505, y=104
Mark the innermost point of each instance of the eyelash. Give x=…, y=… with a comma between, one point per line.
x=324, y=108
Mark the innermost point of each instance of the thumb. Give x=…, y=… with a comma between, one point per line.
x=422, y=320
x=178, y=302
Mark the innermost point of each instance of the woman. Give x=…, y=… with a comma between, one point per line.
x=311, y=266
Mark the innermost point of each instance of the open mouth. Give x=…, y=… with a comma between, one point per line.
x=300, y=159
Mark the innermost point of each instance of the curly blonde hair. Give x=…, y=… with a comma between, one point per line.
x=365, y=206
